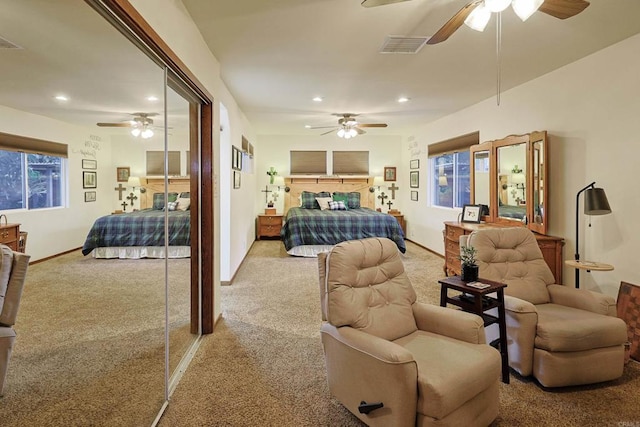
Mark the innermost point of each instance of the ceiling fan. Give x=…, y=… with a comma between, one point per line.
x=348, y=127
x=476, y=14
x=141, y=124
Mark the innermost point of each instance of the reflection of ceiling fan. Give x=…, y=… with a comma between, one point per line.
x=348, y=127
x=141, y=124
x=476, y=14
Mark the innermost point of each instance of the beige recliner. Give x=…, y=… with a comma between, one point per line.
x=561, y=335
x=393, y=361
x=13, y=270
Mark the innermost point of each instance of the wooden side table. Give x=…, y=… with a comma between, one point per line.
x=10, y=235
x=269, y=225
x=477, y=301
x=400, y=218
x=588, y=265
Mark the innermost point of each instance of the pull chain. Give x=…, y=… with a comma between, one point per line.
x=498, y=54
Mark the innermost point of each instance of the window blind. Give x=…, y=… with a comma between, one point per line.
x=308, y=162
x=453, y=145
x=351, y=162
x=25, y=144
x=155, y=163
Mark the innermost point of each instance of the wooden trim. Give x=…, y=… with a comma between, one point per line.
x=131, y=21
x=459, y=143
x=331, y=184
x=27, y=144
x=194, y=174
x=55, y=256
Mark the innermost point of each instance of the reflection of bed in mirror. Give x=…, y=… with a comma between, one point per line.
x=512, y=212
x=141, y=234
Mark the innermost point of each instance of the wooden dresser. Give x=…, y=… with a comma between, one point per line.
x=9, y=235
x=550, y=246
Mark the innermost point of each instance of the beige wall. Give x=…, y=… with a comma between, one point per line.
x=590, y=109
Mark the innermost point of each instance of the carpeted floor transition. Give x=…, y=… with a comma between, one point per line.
x=263, y=366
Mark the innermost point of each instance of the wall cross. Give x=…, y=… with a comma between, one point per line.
x=132, y=197
x=393, y=189
x=120, y=189
x=266, y=192
x=382, y=198
x=124, y=206
x=389, y=203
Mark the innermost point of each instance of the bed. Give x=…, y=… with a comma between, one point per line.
x=141, y=234
x=308, y=229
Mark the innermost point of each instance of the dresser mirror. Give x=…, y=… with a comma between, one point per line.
x=509, y=176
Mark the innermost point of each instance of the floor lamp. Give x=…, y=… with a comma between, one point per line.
x=595, y=203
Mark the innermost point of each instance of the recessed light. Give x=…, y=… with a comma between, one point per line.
x=61, y=98
x=152, y=98
x=307, y=126
x=403, y=99
x=317, y=99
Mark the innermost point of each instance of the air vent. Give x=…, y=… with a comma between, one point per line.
x=400, y=44
x=6, y=44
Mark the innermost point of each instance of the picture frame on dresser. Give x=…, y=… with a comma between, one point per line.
x=472, y=213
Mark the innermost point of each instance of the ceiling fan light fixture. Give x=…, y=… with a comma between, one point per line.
x=525, y=8
x=478, y=18
x=341, y=132
x=146, y=134
x=136, y=132
x=497, y=5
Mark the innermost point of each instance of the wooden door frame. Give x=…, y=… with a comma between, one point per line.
x=137, y=29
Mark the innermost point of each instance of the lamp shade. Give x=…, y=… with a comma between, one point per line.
x=595, y=202
x=442, y=181
x=134, y=181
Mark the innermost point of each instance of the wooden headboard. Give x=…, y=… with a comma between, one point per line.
x=316, y=184
x=156, y=185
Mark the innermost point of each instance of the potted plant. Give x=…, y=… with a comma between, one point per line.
x=468, y=261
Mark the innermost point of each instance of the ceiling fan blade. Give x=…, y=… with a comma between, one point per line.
x=329, y=131
x=322, y=127
x=563, y=9
x=373, y=3
x=372, y=125
x=360, y=131
x=454, y=23
x=115, y=125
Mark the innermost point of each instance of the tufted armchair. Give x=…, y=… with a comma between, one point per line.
x=561, y=335
x=13, y=269
x=393, y=361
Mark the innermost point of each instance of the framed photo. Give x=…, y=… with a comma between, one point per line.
x=471, y=213
x=122, y=174
x=389, y=173
x=414, y=164
x=414, y=196
x=89, y=164
x=89, y=196
x=89, y=179
x=236, y=158
x=414, y=179
x=236, y=179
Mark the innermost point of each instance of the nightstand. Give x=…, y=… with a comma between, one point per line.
x=10, y=235
x=400, y=218
x=269, y=225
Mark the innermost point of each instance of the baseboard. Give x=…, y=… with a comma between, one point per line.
x=55, y=256
x=425, y=248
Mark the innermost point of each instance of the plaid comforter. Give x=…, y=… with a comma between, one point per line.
x=318, y=227
x=140, y=228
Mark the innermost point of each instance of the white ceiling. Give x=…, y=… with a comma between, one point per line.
x=276, y=55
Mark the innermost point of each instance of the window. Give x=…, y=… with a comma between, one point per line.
x=450, y=180
x=449, y=171
x=31, y=181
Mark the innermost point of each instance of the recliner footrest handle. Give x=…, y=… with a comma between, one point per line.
x=365, y=408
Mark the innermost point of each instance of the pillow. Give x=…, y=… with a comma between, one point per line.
x=352, y=199
x=171, y=206
x=158, y=200
x=308, y=199
x=337, y=206
x=184, y=195
x=340, y=197
x=324, y=202
x=183, y=203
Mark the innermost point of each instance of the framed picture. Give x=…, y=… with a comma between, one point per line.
x=471, y=213
x=236, y=158
x=414, y=164
x=89, y=196
x=89, y=164
x=122, y=174
x=414, y=196
x=389, y=173
x=414, y=179
x=236, y=179
x=89, y=179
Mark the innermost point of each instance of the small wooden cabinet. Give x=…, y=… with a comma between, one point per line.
x=269, y=225
x=10, y=235
x=400, y=218
x=550, y=246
